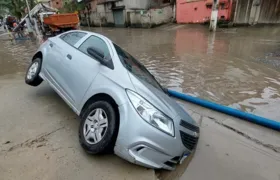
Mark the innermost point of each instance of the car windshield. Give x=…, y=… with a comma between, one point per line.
x=136, y=68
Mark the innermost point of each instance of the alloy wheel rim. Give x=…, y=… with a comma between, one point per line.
x=32, y=70
x=95, y=126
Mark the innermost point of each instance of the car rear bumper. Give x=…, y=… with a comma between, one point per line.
x=141, y=143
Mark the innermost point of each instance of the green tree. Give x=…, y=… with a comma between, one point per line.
x=16, y=7
x=72, y=6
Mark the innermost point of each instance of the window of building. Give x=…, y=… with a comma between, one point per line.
x=209, y=6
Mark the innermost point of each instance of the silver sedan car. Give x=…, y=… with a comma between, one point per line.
x=123, y=109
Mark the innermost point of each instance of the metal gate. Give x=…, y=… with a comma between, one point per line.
x=118, y=18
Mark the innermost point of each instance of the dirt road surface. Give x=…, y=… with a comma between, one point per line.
x=226, y=155
x=39, y=139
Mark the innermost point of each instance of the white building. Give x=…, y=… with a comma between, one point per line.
x=132, y=13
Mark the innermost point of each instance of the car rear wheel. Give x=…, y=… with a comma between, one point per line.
x=98, y=128
x=32, y=77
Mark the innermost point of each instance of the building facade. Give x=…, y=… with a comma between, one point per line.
x=257, y=12
x=127, y=13
x=244, y=12
x=199, y=11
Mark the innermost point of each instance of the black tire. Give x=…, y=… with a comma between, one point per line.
x=36, y=79
x=107, y=143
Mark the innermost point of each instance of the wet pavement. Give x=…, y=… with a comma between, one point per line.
x=39, y=139
x=235, y=67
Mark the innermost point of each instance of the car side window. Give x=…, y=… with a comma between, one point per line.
x=95, y=42
x=73, y=37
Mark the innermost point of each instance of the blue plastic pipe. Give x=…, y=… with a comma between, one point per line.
x=227, y=110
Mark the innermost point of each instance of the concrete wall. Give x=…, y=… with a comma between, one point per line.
x=137, y=4
x=269, y=11
x=104, y=14
x=150, y=18
x=101, y=16
x=257, y=11
x=242, y=11
x=161, y=16
x=135, y=14
x=92, y=6
x=139, y=18
x=199, y=11
x=142, y=4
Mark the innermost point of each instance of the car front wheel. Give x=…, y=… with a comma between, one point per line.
x=32, y=77
x=98, y=128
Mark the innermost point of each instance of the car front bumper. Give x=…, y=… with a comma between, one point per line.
x=142, y=144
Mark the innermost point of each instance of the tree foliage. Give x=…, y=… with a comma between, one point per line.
x=72, y=6
x=16, y=7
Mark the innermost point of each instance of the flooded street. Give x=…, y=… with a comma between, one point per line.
x=15, y=56
x=235, y=67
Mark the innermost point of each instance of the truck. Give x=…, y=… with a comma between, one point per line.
x=52, y=23
x=46, y=21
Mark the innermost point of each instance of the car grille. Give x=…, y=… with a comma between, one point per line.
x=189, y=126
x=188, y=140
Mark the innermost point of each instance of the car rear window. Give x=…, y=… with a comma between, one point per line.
x=73, y=37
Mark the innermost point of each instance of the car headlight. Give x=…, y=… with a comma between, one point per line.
x=151, y=114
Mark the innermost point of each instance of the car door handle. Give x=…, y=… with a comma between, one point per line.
x=51, y=45
x=69, y=56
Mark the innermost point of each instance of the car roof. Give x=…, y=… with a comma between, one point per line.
x=91, y=33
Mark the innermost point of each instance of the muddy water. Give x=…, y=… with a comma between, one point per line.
x=235, y=67
x=15, y=56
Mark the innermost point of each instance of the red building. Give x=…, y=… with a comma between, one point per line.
x=199, y=11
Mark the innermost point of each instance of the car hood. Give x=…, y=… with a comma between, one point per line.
x=160, y=100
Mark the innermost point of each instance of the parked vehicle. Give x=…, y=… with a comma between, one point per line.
x=47, y=21
x=123, y=109
x=52, y=23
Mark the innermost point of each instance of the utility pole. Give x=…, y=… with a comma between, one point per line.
x=28, y=20
x=28, y=8
x=214, y=15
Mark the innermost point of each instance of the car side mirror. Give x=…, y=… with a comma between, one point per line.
x=99, y=56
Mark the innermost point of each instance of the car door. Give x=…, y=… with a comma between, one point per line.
x=58, y=52
x=80, y=69
x=52, y=61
